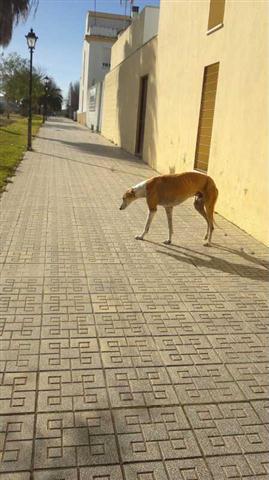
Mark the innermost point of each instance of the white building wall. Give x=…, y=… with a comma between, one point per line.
x=97, y=52
x=151, y=23
x=94, y=110
x=84, y=78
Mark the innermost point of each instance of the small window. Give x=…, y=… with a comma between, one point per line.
x=216, y=14
x=106, y=57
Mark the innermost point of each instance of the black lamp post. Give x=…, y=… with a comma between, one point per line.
x=46, y=86
x=31, y=41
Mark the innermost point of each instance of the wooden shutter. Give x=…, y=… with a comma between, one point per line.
x=216, y=13
x=206, y=117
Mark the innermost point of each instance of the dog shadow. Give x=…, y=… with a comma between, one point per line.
x=258, y=271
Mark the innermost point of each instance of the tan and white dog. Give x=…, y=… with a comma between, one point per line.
x=171, y=190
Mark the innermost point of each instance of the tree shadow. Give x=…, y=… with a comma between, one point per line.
x=188, y=256
x=88, y=164
x=62, y=124
x=100, y=150
x=9, y=131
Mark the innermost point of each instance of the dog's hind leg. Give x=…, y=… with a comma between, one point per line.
x=169, y=212
x=209, y=206
x=199, y=205
x=148, y=223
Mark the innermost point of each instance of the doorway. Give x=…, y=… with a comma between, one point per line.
x=141, y=115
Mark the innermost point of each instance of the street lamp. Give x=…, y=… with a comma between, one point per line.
x=31, y=41
x=46, y=86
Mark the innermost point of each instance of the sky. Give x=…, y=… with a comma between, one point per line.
x=60, y=27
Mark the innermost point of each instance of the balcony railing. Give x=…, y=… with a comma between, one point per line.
x=99, y=31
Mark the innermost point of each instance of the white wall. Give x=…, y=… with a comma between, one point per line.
x=94, y=111
x=99, y=52
x=151, y=23
x=95, y=53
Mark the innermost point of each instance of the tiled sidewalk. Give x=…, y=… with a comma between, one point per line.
x=125, y=360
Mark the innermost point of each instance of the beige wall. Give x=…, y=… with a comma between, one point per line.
x=81, y=118
x=121, y=94
x=142, y=29
x=238, y=159
x=129, y=41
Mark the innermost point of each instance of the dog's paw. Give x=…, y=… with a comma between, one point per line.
x=207, y=244
x=167, y=242
x=139, y=237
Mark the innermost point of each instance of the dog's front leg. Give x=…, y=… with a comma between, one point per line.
x=169, y=212
x=148, y=223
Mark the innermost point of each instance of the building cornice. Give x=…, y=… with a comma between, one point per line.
x=109, y=15
x=99, y=38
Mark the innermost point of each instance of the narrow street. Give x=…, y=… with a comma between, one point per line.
x=122, y=359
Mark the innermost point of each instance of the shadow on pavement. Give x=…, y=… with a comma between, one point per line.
x=88, y=164
x=188, y=255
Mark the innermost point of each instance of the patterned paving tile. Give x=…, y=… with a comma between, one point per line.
x=129, y=352
x=140, y=387
x=154, y=434
x=204, y=384
x=187, y=350
x=16, y=437
x=68, y=439
x=74, y=325
x=121, y=325
x=125, y=360
x=251, y=467
x=56, y=474
x=19, y=355
x=110, y=472
x=17, y=392
x=71, y=390
x=228, y=429
x=252, y=379
x=76, y=353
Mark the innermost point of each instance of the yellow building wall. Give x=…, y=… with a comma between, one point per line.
x=239, y=160
x=121, y=97
x=81, y=118
x=129, y=41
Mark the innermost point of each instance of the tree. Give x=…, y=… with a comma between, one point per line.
x=53, y=97
x=11, y=12
x=73, y=98
x=14, y=81
x=14, y=84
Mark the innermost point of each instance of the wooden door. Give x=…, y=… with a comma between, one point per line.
x=206, y=117
x=141, y=115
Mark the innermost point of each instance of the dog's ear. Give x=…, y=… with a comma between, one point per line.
x=130, y=191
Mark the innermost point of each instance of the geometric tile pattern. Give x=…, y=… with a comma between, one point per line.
x=125, y=360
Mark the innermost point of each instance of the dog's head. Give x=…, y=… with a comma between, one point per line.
x=127, y=198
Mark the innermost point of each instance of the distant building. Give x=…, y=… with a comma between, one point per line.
x=102, y=30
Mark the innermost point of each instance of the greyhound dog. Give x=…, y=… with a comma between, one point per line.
x=171, y=190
